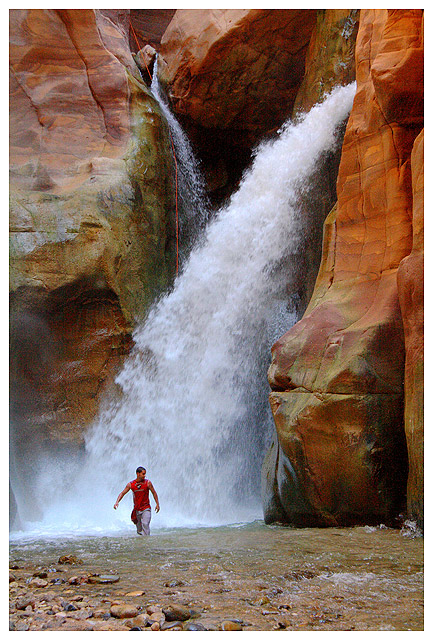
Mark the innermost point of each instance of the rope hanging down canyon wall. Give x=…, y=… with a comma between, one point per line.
x=140, y=53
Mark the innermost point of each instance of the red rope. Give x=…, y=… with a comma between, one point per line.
x=174, y=155
x=139, y=49
x=177, y=213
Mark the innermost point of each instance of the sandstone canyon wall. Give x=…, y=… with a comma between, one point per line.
x=93, y=238
x=91, y=217
x=337, y=377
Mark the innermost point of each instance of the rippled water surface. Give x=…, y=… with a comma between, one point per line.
x=268, y=577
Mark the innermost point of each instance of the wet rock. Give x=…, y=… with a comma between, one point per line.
x=194, y=626
x=123, y=611
x=21, y=625
x=41, y=574
x=174, y=625
x=299, y=574
x=176, y=612
x=77, y=598
x=230, y=625
x=174, y=583
x=81, y=614
x=69, y=560
x=103, y=579
x=106, y=626
x=142, y=620
x=78, y=580
x=101, y=613
x=158, y=617
x=39, y=583
x=78, y=625
x=153, y=608
x=25, y=601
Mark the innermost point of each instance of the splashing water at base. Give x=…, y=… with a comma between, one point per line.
x=194, y=405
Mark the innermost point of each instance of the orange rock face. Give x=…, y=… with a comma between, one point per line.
x=232, y=76
x=411, y=295
x=337, y=375
x=221, y=64
x=70, y=90
x=91, y=216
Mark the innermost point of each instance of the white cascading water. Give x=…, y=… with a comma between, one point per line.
x=192, y=199
x=194, y=390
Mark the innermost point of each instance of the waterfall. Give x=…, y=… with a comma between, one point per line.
x=192, y=199
x=194, y=407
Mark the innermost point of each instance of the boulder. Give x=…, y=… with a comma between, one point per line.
x=231, y=76
x=235, y=68
x=176, y=612
x=230, y=625
x=124, y=611
x=339, y=453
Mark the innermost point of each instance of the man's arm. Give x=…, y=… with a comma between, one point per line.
x=151, y=487
x=120, y=496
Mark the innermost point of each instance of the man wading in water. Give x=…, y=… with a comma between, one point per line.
x=141, y=513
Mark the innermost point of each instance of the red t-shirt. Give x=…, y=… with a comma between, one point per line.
x=141, y=494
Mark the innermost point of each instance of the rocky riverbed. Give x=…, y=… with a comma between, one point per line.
x=68, y=596
x=247, y=578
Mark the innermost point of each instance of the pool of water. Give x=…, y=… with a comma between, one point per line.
x=270, y=577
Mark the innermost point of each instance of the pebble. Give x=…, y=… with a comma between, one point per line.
x=69, y=560
x=39, y=583
x=194, y=626
x=230, y=625
x=176, y=612
x=174, y=583
x=158, y=617
x=172, y=625
x=142, y=620
x=99, y=612
x=123, y=611
x=103, y=579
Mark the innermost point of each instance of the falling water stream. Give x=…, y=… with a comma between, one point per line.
x=194, y=208
x=194, y=407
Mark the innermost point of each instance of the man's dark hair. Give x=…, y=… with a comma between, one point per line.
x=138, y=469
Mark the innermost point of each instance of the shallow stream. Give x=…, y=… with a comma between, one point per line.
x=266, y=577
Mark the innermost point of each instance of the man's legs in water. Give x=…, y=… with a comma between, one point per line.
x=143, y=522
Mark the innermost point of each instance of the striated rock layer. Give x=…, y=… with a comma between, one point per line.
x=339, y=452
x=411, y=296
x=91, y=218
x=325, y=68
